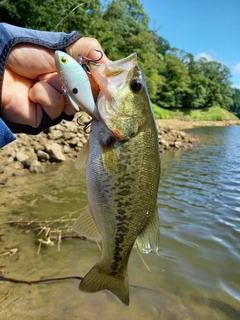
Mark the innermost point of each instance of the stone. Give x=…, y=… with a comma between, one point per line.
x=55, y=134
x=38, y=146
x=26, y=157
x=55, y=152
x=59, y=127
x=73, y=141
x=31, y=154
x=21, y=156
x=84, y=139
x=182, y=134
x=10, y=160
x=80, y=144
x=42, y=156
x=11, y=153
x=178, y=144
x=42, y=141
x=3, y=180
x=17, y=165
x=85, y=118
x=70, y=126
x=36, y=167
x=66, y=149
x=68, y=135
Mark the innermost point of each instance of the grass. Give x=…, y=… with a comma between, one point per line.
x=209, y=114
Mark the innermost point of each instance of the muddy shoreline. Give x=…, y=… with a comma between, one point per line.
x=32, y=154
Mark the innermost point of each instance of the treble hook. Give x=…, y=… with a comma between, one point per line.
x=81, y=57
x=85, y=125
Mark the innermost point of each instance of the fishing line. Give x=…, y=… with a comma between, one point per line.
x=81, y=4
x=2, y=278
x=30, y=282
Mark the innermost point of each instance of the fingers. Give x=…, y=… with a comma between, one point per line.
x=23, y=100
x=51, y=100
x=16, y=107
x=31, y=84
x=87, y=47
x=53, y=80
x=30, y=61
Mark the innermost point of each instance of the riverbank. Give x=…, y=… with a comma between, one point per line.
x=186, y=124
x=32, y=154
x=211, y=114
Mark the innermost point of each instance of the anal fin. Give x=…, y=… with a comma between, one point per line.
x=86, y=226
x=148, y=241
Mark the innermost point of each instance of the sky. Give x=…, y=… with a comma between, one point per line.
x=205, y=28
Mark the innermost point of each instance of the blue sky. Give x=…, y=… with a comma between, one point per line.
x=209, y=28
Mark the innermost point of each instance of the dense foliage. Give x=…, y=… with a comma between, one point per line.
x=235, y=106
x=175, y=79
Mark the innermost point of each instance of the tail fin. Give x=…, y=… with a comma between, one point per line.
x=96, y=279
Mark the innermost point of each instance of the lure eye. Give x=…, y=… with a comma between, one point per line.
x=75, y=90
x=136, y=85
x=63, y=60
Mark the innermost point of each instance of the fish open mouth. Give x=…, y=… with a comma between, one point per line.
x=108, y=111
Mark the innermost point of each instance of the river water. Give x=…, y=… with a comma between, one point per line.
x=195, y=275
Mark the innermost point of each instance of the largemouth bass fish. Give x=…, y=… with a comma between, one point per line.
x=123, y=171
x=76, y=84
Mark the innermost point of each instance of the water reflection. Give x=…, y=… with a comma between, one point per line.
x=196, y=274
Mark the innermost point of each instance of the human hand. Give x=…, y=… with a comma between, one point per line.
x=31, y=83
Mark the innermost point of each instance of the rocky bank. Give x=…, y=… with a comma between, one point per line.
x=31, y=154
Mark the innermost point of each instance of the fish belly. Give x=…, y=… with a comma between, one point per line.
x=122, y=183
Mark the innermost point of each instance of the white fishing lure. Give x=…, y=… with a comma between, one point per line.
x=76, y=84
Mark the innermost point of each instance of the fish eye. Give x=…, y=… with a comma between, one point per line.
x=136, y=85
x=63, y=59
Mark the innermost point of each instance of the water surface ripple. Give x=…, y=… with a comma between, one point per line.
x=195, y=275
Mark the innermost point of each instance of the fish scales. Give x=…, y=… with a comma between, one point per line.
x=121, y=199
x=122, y=181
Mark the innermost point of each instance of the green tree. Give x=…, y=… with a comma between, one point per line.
x=124, y=19
x=219, y=91
x=162, y=45
x=176, y=83
x=150, y=60
x=174, y=78
x=46, y=15
x=235, y=106
x=196, y=97
x=126, y=31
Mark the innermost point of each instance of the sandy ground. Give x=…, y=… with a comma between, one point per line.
x=182, y=125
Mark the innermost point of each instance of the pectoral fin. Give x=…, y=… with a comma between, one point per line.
x=86, y=226
x=110, y=160
x=82, y=157
x=148, y=240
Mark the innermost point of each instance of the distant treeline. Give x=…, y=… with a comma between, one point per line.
x=174, y=78
x=235, y=107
